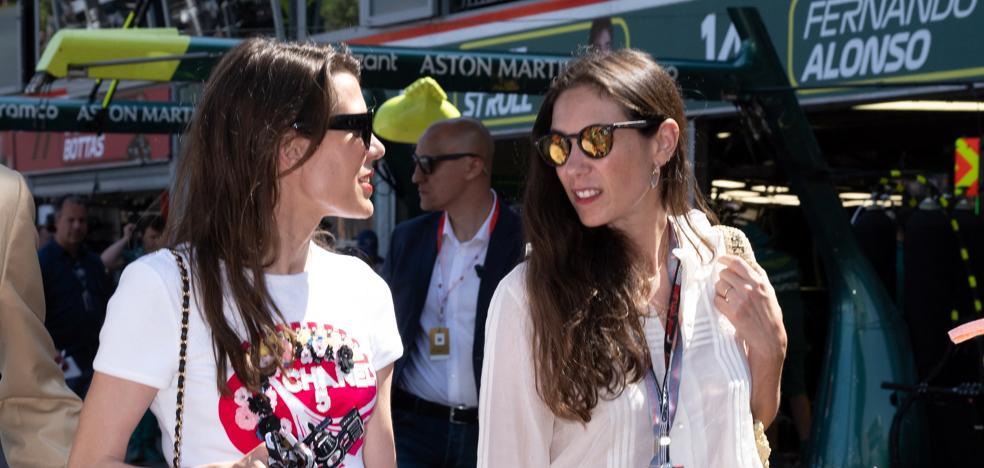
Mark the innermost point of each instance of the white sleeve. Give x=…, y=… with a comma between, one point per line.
x=515, y=426
x=140, y=338
x=385, y=336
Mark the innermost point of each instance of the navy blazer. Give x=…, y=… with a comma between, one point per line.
x=74, y=329
x=410, y=261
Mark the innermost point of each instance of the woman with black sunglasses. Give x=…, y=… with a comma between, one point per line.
x=250, y=343
x=629, y=337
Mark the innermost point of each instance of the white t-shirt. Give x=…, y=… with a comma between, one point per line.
x=338, y=300
x=713, y=425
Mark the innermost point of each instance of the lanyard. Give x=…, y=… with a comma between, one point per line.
x=663, y=399
x=443, y=298
x=444, y=220
x=78, y=269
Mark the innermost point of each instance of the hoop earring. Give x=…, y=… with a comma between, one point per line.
x=654, y=178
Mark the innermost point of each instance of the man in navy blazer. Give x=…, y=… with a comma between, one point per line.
x=442, y=268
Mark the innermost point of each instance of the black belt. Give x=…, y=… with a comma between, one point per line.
x=413, y=404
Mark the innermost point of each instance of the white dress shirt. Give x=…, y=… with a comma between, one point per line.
x=450, y=381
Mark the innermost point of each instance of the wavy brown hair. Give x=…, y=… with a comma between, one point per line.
x=586, y=287
x=227, y=186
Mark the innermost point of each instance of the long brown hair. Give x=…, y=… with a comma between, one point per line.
x=225, y=191
x=585, y=286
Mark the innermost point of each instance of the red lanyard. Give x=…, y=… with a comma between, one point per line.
x=443, y=300
x=663, y=399
x=444, y=219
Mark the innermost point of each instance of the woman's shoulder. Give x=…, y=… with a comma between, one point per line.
x=509, y=325
x=695, y=221
x=148, y=285
x=161, y=263
x=693, y=229
x=515, y=281
x=510, y=298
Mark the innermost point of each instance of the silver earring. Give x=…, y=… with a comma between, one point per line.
x=654, y=178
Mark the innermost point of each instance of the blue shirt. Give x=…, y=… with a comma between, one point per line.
x=76, y=291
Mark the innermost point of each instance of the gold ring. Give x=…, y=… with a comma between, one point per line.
x=726, y=291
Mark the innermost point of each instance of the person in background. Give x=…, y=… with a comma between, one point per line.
x=283, y=339
x=152, y=237
x=601, y=35
x=148, y=231
x=76, y=290
x=442, y=268
x=38, y=413
x=629, y=337
x=46, y=231
x=114, y=258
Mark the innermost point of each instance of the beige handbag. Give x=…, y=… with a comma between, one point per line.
x=737, y=244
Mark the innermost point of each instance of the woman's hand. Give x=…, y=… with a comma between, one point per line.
x=745, y=296
x=256, y=458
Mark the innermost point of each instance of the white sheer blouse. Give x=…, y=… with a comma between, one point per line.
x=713, y=425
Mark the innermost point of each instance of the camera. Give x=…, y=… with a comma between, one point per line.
x=320, y=448
x=330, y=449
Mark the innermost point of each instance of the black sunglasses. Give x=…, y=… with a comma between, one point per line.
x=361, y=123
x=595, y=140
x=427, y=164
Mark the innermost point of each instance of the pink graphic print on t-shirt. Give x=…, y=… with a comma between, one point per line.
x=314, y=387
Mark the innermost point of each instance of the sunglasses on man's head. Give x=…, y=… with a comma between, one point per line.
x=595, y=140
x=361, y=123
x=428, y=164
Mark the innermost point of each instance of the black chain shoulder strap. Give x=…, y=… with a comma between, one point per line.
x=182, y=356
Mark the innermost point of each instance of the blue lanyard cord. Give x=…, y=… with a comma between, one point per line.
x=663, y=400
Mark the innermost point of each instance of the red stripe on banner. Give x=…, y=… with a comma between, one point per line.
x=477, y=20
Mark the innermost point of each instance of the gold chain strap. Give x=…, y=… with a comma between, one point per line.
x=182, y=357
